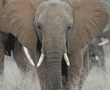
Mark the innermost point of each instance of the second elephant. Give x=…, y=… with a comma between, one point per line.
x=96, y=54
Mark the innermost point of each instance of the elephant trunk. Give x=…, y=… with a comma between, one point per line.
x=54, y=47
x=53, y=58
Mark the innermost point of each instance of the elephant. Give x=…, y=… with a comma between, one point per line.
x=105, y=35
x=96, y=54
x=62, y=28
x=96, y=51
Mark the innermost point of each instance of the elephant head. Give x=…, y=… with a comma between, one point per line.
x=96, y=54
x=61, y=26
x=106, y=35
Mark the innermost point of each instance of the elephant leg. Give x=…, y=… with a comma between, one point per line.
x=74, y=71
x=1, y=60
x=102, y=60
x=85, y=68
x=1, y=54
x=103, y=64
x=20, y=58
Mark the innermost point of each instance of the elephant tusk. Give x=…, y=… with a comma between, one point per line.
x=28, y=56
x=40, y=60
x=103, y=43
x=96, y=57
x=66, y=59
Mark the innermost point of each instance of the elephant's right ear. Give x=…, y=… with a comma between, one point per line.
x=18, y=17
x=2, y=24
x=90, y=18
x=1, y=11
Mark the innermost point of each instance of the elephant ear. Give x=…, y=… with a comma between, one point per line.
x=1, y=11
x=90, y=18
x=2, y=24
x=18, y=17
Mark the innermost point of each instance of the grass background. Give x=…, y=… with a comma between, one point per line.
x=16, y=80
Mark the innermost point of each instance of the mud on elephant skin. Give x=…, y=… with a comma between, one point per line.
x=64, y=29
x=96, y=54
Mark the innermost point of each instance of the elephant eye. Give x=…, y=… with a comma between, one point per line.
x=38, y=26
x=68, y=28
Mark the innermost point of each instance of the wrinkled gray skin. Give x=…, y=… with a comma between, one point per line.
x=94, y=51
x=54, y=33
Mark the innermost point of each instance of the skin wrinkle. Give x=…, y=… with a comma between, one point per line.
x=53, y=52
x=51, y=66
x=61, y=42
x=47, y=49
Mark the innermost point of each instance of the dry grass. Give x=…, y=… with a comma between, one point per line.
x=16, y=80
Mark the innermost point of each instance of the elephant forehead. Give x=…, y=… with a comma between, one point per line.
x=60, y=6
x=55, y=6
x=54, y=13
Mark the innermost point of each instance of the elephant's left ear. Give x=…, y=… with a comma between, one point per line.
x=2, y=24
x=90, y=18
x=18, y=17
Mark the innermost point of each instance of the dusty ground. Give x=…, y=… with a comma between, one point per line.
x=14, y=80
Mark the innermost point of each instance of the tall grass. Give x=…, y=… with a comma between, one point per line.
x=14, y=79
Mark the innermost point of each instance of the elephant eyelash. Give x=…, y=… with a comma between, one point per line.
x=39, y=27
x=69, y=28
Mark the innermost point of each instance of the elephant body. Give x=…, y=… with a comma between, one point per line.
x=62, y=28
